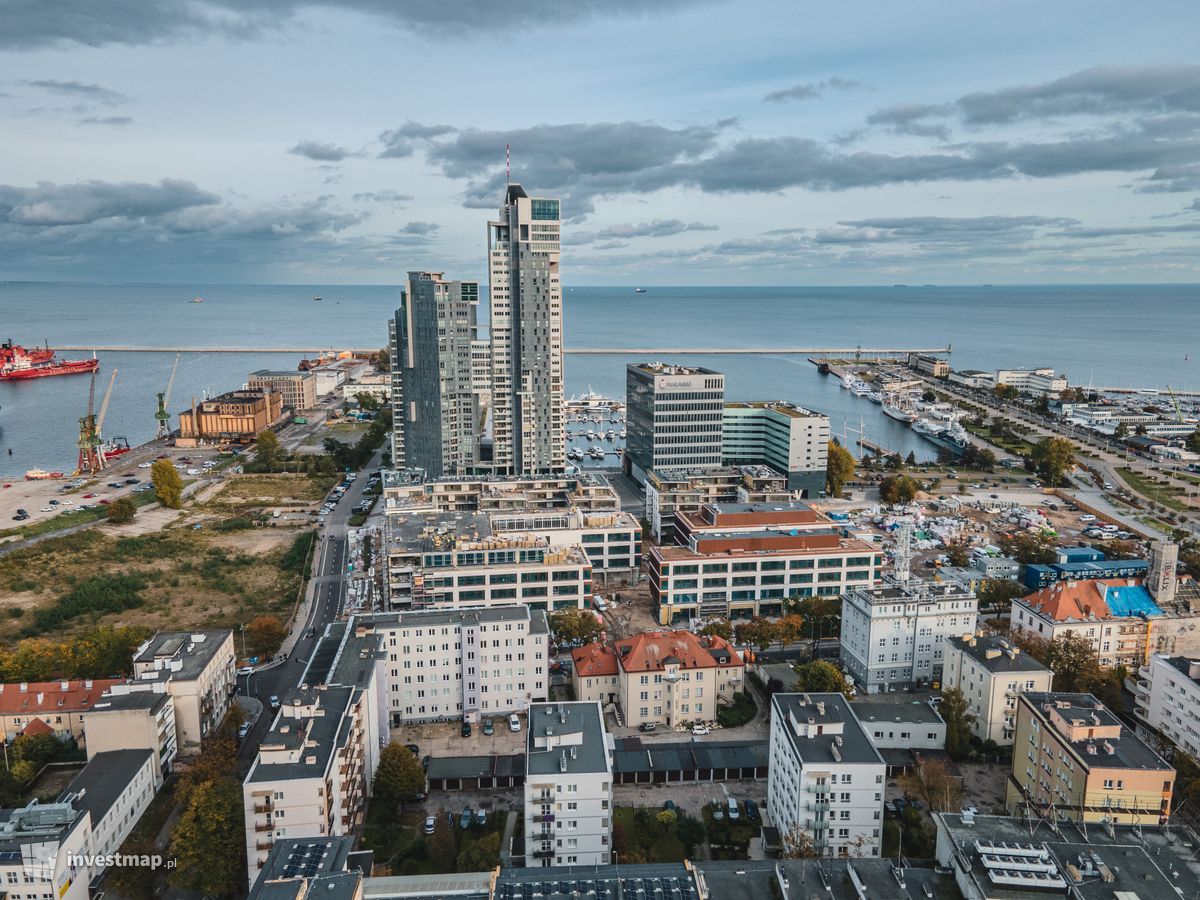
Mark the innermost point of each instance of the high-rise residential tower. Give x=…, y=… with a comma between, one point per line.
x=435, y=407
x=526, y=328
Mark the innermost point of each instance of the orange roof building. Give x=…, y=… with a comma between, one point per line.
x=59, y=705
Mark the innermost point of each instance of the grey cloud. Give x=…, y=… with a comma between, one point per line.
x=811, y=91
x=656, y=228
x=399, y=143
x=49, y=204
x=77, y=89
x=912, y=119
x=381, y=197
x=1171, y=179
x=320, y=152
x=36, y=23
x=117, y=121
x=420, y=228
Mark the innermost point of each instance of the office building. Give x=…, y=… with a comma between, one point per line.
x=934, y=366
x=235, y=417
x=568, y=785
x=788, y=438
x=742, y=560
x=1167, y=696
x=894, y=636
x=1038, y=382
x=374, y=384
x=670, y=678
x=198, y=669
x=826, y=779
x=1074, y=760
x=298, y=389
x=462, y=664
x=526, y=330
x=141, y=720
x=686, y=490
x=30, y=707
x=435, y=408
x=673, y=418
x=991, y=672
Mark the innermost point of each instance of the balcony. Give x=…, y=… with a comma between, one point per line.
x=545, y=817
x=263, y=807
x=261, y=827
x=817, y=806
x=263, y=845
x=543, y=854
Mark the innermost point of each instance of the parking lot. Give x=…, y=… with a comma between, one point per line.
x=445, y=738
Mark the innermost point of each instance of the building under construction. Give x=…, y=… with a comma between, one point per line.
x=236, y=417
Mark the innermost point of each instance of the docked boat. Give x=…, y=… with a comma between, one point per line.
x=622, y=434
x=17, y=363
x=926, y=428
x=316, y=299
x=875, y=397
x=898, y=413
x=116, y=447
x=41, y=475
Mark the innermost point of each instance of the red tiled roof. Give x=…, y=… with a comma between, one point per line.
x=594, y=659
x=37, y=726
x=52, y=696
x=649, y=650
x=1079, y=600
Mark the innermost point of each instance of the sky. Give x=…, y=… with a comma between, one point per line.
x=691, y=141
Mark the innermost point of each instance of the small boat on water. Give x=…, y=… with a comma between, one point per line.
x=41, y=475
x=639, y=290
x=316, y=299
x=196, y=300
x=875, y=397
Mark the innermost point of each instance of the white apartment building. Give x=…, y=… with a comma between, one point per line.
x=782, y=435
x=115, y=787
x=525, y=326
x=894, y=637
x=666, y=677
x=991, y=672
x=198, y=669
x=1168, y=698
x=375, y=384
x=143, y=720
x=901, y=726
x=315, y=767
x=462, y=663
x=825, y=782
x=568, y=785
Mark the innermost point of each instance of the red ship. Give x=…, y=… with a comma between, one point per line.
x=16, y=362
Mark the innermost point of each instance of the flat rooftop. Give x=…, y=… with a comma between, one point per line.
x=425, y=618
x=1125, y=752
x=104, y=779
x=311, y=742
x=566, y=726
x=837, y=719
x=996, y=654
x=833, y=879
x=661, y=881
x=666, y=369
x=912, y=591
x=917, y=712
x=782, y=407
x=192, y=650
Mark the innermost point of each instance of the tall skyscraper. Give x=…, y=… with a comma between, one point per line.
x=673, y=416
x=435, y=407
x=526, y=336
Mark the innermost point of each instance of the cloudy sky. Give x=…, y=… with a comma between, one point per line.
x=692, y=141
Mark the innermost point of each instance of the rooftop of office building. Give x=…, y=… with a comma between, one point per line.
x=914, y=590
x=666, y=369
x=565, y=738
x=666, y=478
x=104, y=779
x=996, y=653
x=823, y=729
x=783, y=407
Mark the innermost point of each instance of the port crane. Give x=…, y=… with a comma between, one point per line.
x=164, y=399
x=1175, y=400
x=91, y=453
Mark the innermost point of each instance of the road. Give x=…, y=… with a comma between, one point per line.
x=327, y=593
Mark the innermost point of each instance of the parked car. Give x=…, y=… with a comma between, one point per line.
x=243, y=730
x=274, y=702
x=413, y=749
x=700, y=729
x=733, y=810
x=514, y=723
x=246, y=670
x=646, y=727
x=430, y=824
x=481, y=816
x=751, y=811
x=487, y=727
x=464, y=821
x=466, y=729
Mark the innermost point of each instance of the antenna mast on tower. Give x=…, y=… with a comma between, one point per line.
x=507, y=165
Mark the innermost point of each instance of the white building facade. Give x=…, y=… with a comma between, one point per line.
x=991, y=672
x=1168, y=695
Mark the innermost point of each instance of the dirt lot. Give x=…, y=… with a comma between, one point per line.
x=445, y=738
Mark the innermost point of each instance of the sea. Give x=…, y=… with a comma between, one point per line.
x=1142, y=336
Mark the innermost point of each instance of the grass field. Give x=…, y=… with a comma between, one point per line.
x=248, y=491
x=1163, y=494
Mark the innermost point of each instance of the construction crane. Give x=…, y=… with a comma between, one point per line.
x=1175, y=400
x=91, y=454
x=164, y=417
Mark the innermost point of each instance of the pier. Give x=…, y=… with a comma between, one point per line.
x=846, y=353
x=877, y=449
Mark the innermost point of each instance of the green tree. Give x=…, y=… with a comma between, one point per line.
x=481, y=855
x=820, y=677
x=911, y=459
x=1074, y=663
x=1119, y=550
x=720, y=628
x=1053, y=456
x=575, y=625
x=367, y=400
x=985, y=460
x=929, y=780
x=958, y=553
x=121, y=511
x=1028, y=548
x=823, y=613
x=958, y=717
x=267, y=452
x=399, y=775
x=690, y=832
x=1006, y=392
x=383, y=360
x=209, y=839
x=1193, y=441
x=897, y=489
x=998, y=593
x=1121, y=431
x=928, y=396
x=168, y=486
x=839, y=468
x=758, y=632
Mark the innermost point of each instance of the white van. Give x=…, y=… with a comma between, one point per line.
x=1087, y=517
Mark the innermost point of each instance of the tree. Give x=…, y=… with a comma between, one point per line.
x=209, y=839
x=839, y=468
x=911, y=459
x=1053, y=456
x=575, y=626
x=267, y=452
x=1121, y=431
x=367, y=400
x=959, y=554
x=788, y=629
x=822, y=612
x=958, y=717
x=897, y=489
x=930, y=781
x=718, y=628
x=690, y=833
x=928, y=396
x=1028, y=548
x=758, y=632
x=481, y=855
x=383, y=360
x=399, y=775
x=798, y=844
x=998, y=593
x=264, y=635
x=820, y=677
x=1193, y=441
x=1006, y=392
x=1074, y=662
x=121, y=511
x=1119, y=550
x=168, y=486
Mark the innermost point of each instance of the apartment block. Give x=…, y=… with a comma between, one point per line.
x=669, y=678
x=198, y=669
x=462, y=663
x=992, y=672
x=1168, y=698
x=784, y=436
x=901, y=726
x=58, y=706
x=742, y=560
x=826, y=779
x=142, y=720
x=525, y=326
x=673, y=417
x=1074, y=760
x=435, y=407
x=894, y=636
x=669, y=491
x=568, y=785
x=298, y=389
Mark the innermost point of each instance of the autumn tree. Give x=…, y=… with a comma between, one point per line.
x=1074, y=662
x=958, y=553
x=822, y=612
x=929, y=780
x=264, y=635
x=168, y=486
x=399, y=775
x=121, y=511
x=998, y=593
x=798, y=844
x=839, y=468
x=208, y=841
x=956, y=712
x=897, y=489
x=267, y=451
x=575, y=626
x=718, y=628
x=757, y=632
x=1053, y=456
x=820, y=677
x=788, y=629
x=1028, y=548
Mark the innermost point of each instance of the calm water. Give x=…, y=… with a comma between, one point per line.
x=1145, y=336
